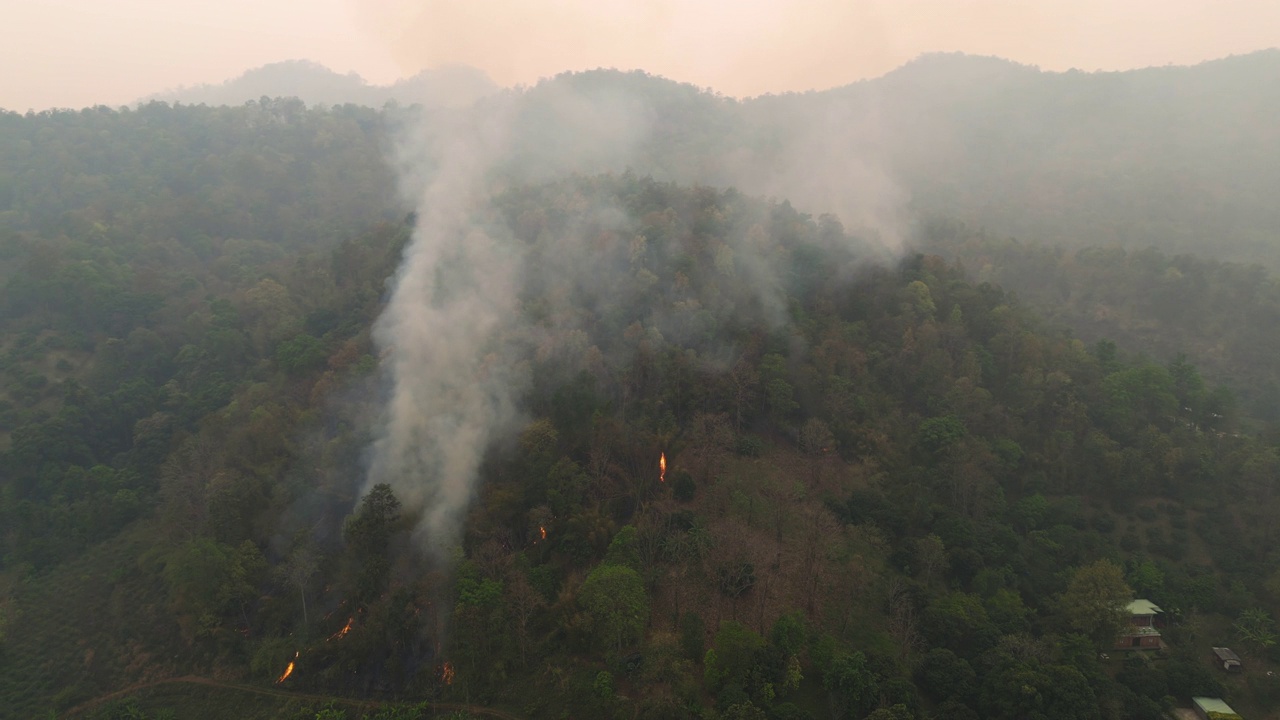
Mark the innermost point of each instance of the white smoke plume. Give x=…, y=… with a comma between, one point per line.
x=454, y=383
x=455, y=344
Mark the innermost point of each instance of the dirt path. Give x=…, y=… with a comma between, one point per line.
x=194, y=680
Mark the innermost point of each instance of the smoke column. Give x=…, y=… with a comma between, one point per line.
x=453, y=382
x=455, y=351
x=454, y=344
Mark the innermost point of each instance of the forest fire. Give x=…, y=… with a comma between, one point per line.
x=345, y=629
x=542, y=529
x=288, y=670
x=446, y=673
x=662, y=468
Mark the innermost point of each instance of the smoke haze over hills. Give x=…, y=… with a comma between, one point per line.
x=314, y=84
x=78, y=53
x=487, y=384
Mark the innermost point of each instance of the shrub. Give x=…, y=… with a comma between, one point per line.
x=749, y=446
x=683, y=488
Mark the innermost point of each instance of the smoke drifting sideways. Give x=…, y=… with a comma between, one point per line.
x=456, y=347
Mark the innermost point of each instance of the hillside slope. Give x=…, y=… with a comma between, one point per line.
x=885, y=486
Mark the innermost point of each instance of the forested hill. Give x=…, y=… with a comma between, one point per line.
x=889, y=494
x=1225, y=315
x=892, y=490
x=1180, y=158
x=314, y=84
x=273, y=172
x=1071, y=160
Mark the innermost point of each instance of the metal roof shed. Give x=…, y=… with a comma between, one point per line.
x=1229, y=659
x=1213, y=708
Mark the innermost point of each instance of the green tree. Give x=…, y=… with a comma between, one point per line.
x=1013, y=691
x=1137, y=396
x=850, y=684
x=1007, y=611
x=615, y=599
x=788, y=633
x=622, y=549
x=204, y=578
x=368, y=535
x=1146, y=578
x=737, y=650
x=931, y=558
x=1255, y=628
x=1094, y=602
x=959, y=621
x=937, y=436
x=779, y=393
x=943, y=675
x=744, y=711
x=895, y=712
x=301, y=354
x=1069, y=696
x=791, y=675
x=603, y=685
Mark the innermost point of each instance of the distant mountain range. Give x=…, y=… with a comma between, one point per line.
x=1182, y=158
x=1186, y=159
x=315, y=84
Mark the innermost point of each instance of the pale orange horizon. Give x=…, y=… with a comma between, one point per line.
x=76, y=53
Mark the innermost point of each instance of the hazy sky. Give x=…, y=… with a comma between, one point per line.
x=72, y=53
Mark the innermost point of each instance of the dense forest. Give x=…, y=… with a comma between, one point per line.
x=1164, y=304
x=766, y=465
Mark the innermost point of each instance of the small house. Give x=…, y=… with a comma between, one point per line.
x=1213, y=709
x=1141, y=632
x=1227, y=657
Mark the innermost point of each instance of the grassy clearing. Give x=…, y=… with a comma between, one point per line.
x=206, y=699
x=87, y=627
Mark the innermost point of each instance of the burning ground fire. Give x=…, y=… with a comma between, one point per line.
x=345, y=629
x=662, y=468
x=288, y=670
x=543, y=530
x=446, y=673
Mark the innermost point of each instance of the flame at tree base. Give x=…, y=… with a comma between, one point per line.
x=662, y=468
x=288, y=670
x=446, y=673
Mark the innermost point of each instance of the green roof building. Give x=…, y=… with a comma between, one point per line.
x=1214, y=709
x=1142, y=607
x=1141, y=632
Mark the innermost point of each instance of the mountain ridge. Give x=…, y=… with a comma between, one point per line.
x=313, y=71
x=314, y=83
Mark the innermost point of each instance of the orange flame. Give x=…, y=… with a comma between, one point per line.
x=543, y=530
x=446, y=673
x=662, y=468
x=345, y=629
x=288, y=670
